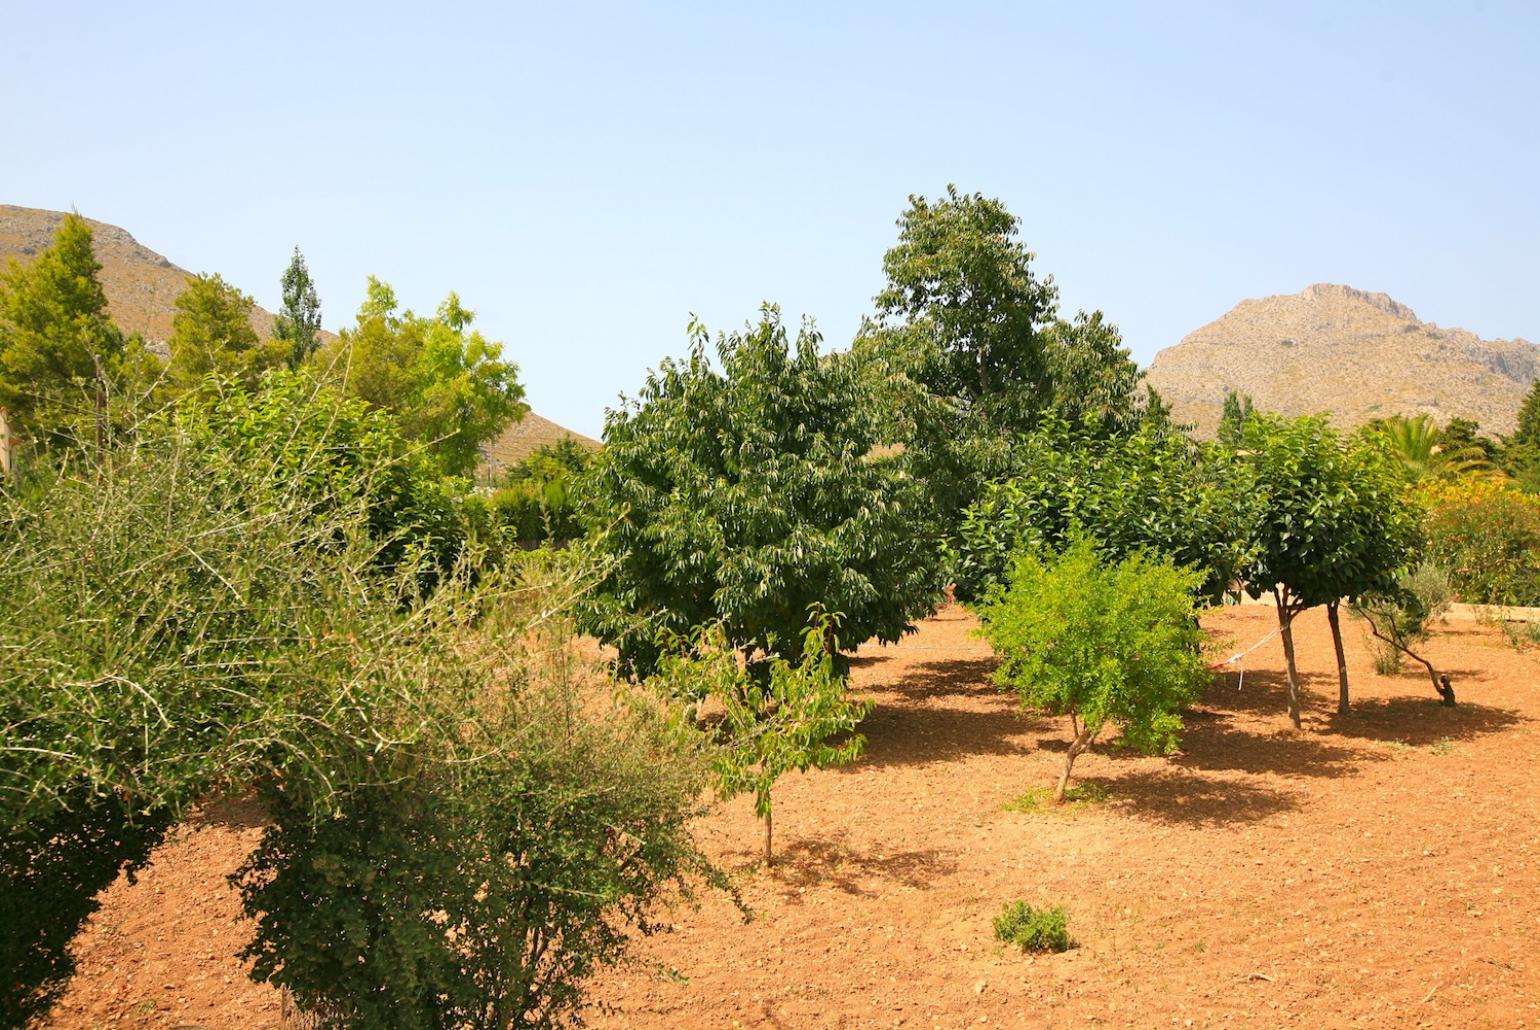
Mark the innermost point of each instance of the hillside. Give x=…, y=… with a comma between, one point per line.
x=142, y=287
x=1351, y=354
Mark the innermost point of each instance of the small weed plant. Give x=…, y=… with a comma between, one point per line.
x=1034, y=929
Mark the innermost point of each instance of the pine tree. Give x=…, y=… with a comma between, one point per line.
x=58, y=348
x=1529, y=418
x=298, y=322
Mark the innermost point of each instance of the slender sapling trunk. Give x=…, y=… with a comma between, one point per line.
x=769, y=854
x=1286, y=632
x=1336, y=640
x=1080, y=743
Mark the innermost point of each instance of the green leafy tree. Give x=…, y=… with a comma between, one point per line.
x=1528, y=431
x=59, y=351
x=1232, y=422
x=211, y=333
x=1101, y=642
x=298, y=322
x=774, y=723
x=959, y=269
x=1150, y=490
x=748, y=493
x=446, y=384
x=970, y=348
x=1330, y=523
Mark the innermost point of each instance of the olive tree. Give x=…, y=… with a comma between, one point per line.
x=1329, y=523
x=747, y=493
x=1100, y=641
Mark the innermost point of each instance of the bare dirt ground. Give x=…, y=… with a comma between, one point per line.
x=1381, y=869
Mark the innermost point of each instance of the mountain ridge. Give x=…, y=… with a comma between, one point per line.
x=1351, y=354
x=142, y=286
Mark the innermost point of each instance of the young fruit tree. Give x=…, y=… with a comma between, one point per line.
x=746, y=494
x=1330, y=523
x=775, y=723
x=1100, y=642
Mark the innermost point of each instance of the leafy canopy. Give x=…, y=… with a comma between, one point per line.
x=1150, y=490
x=1101, y=641
x=1330, y=520
x=446, y=384
x=55, y=337
x=747, y=494
x=211, y=333
x=298, y=322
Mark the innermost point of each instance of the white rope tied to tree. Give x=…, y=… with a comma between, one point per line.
x=1239, y=655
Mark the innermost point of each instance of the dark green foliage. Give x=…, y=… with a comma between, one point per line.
x=959, y=271
x=1331, y=522
x=536, y=500
x=1232, y=423
x=1033, y=929
x=1100, y=641
x=1150, y=490
x=969, y=349
x=59, y=352
x=1528, y=431
x=50, y=873
x=298, y=322
x=748, y=494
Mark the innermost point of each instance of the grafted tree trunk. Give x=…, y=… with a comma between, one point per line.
x=1336, y=641
x=1286, y=632
x=1080, y=743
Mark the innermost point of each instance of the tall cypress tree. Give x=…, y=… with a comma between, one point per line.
x=1528, y=431
x=57, y=345
x=298, y=322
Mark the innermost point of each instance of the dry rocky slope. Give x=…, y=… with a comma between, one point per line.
x=1350, y=354
x=142, y=288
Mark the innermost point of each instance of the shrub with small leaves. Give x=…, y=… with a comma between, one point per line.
x=1034, y=929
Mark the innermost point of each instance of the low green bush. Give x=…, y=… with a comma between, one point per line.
x=1034, y=929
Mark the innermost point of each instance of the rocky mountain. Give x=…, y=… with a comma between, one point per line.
x=142, y=288
x=1350, y=354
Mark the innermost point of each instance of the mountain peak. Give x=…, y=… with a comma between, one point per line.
x=1348, y=353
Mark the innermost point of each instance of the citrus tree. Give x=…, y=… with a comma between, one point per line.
x=1100, y=641
x=1329, y=523
x=747, y=493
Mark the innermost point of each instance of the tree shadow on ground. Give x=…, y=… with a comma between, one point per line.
x=951, y=677
x=1215, y=744
x=902, y=734
x=823, y=862
x=1419, y=721
x=1183, y=798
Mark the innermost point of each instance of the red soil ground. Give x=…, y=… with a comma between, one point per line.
x=1380, y=869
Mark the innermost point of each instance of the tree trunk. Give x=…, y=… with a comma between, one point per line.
x=769, y=855
x=1336, y=640
x=1286, y=632
x=1080, y=743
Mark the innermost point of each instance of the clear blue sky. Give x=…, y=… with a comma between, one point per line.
x=587, y=175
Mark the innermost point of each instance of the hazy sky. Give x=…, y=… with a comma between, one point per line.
x=585, y=176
